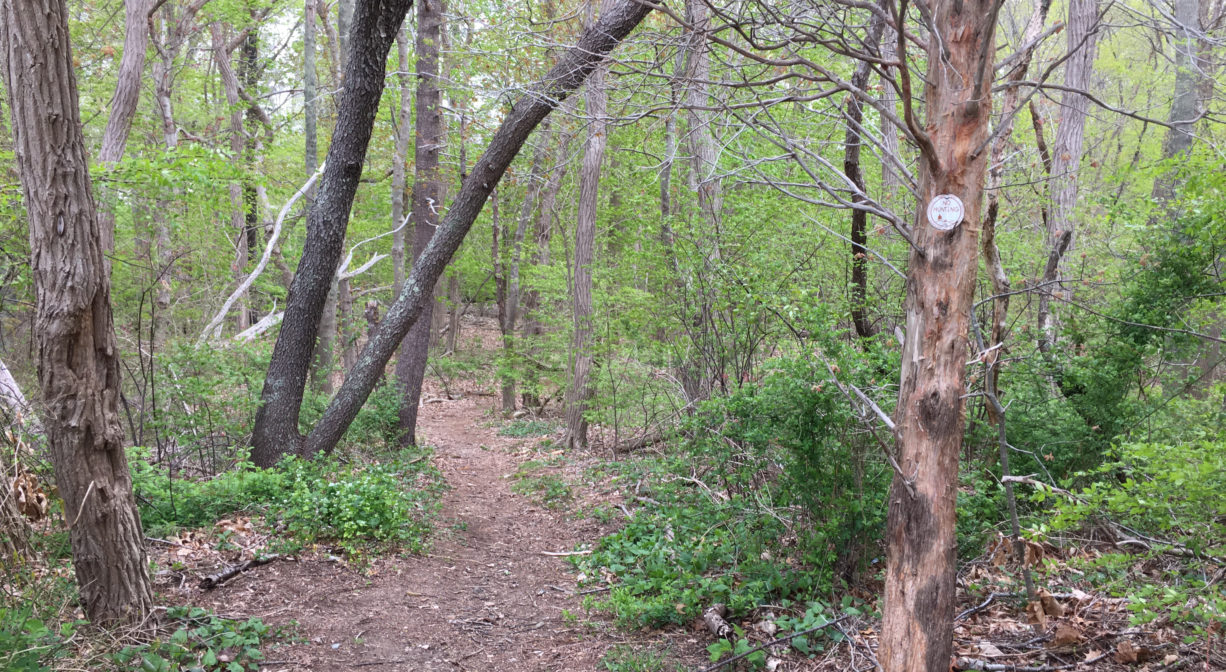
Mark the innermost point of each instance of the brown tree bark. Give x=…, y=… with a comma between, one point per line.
x=78, y=360
x=917, y=630
x=540, y=99
x=276, y=424
x=580, y=390
x=427, y=205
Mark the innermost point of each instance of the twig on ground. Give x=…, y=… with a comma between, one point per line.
x=211, y=582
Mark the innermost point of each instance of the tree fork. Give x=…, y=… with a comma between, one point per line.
x=276, y=423
x=562, y=80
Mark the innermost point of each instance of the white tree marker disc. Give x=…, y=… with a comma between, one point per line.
x=945, y=212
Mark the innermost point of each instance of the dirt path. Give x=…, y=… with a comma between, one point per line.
x=486, y=597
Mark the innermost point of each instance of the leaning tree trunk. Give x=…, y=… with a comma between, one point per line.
x=427, y=202
x=1066, y=158
x=78, y=358
x=580, y=388
x=917, y=630
x=276, y=423
x=566, y=76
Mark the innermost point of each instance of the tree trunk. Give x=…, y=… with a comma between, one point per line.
x=566, y=76
x=78, y=360
x=1082, y=34
x=124, y=103
x=276, y=424
x=917, y=630
x=229, y=84
x=427, y=202
x=1189, y=85
x=325, y=346
x=403, y=136
x=531, y=190
x=580, y=388
x=852, y=144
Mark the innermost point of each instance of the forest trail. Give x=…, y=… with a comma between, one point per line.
x=486, y=596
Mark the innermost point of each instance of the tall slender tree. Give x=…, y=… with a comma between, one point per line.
x=427, y=204
x=582, y=358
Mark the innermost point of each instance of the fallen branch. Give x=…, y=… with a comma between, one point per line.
x=211, y=582
x=213, y=329
x=985, y=666
x=645, y=441
x=714, y=618
x=564, y=554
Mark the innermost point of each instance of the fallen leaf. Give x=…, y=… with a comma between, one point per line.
x=1125, y=653
x=988, y=650
x=1092, y=654
x=1050, y=606
x=1066, y=635
x=1035, y=615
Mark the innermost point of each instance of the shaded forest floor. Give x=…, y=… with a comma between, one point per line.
x=495, y=590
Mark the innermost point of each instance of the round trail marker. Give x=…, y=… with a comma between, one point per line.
x=945, y=212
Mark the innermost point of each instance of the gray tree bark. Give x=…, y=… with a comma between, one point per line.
x=78, y=360
x=541, y=98
x=399, y=158
x=427, y=205
x=1067, y=149
x=276, y=425
x=579, y=390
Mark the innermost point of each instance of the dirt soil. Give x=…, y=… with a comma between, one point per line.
x=487, y=596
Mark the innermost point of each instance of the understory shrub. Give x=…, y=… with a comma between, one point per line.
x=389, y=502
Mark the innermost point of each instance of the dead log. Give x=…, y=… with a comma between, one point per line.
x=714, y=618
x=639, y=443
x=212, y=581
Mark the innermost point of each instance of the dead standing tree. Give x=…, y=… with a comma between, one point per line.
x=917, y=628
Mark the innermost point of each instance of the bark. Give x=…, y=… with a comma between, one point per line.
x=513, y=290
x=322, y=362
x=16, y=403
x=852, y=144
x=1192, y=69
x=344, y=308
x=427, y=203
x=991, y=253
x=1066, y=155
x=276, y=425
x=229, y=83
x=124, y=103
x=580, y=388
x=310, y=91
x=78, y=361
x=566, y=76
x=917, y=629
x=453, y=320
x=403, y=136
x=891, y=180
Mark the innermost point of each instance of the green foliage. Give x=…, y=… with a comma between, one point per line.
x=201, y=642
x=1160, y=492
x=1170, y=491
x=388, y=503
x=685, y=549
x=524, y=428
x=630, y=658
x=27, y=643
x=547, y=489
